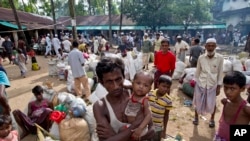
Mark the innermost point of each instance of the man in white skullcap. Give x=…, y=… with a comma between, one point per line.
x=208, y=77
x=181, y=48
x=56, y=44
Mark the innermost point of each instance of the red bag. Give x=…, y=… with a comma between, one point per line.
x=57, y=116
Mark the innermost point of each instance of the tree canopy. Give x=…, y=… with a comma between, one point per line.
x=157, y=13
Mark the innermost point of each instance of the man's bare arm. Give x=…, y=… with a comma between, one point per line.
x=104, y=130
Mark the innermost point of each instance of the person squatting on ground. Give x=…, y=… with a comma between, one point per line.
x=38, y=112
x=109, y=112
x=235, y=111
x=141, y=86
x=160, y=104
x=164, y=62
x=208, y=77
x=21, y=60
x=76, y=62
x=6, y=132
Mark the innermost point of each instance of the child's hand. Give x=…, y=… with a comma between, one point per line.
x=137, y=133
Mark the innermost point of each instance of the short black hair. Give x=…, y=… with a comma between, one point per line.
x=109, y=64
x=5, y=119
x=165, y=79
x=75, y=43
x=165, y=41
x=196, y=40
x=235, y=77
x=37, y=90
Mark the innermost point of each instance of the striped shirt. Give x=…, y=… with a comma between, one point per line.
x=158, y=106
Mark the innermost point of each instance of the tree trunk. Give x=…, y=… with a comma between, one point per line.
x=17, y=20
x=53, y=15
x=73, y=17
x=121, y=16
x=110, y=26
x=89, y=8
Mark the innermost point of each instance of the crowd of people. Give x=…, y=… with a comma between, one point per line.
x=139, y=111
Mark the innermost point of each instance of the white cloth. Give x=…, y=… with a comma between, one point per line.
x=76, y=61
x=48, y=47
x=56, y=44
x=209, y=71
x=211, y=40
x=66, y=44
x=96, y=45
x=181, y=49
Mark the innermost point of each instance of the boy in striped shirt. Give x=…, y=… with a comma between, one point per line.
x=160, y=104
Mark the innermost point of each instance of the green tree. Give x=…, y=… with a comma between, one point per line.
x=6, y=4
x=157, y=13
x=151, y=13
x=191, y=12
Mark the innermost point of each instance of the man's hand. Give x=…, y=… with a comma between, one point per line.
x=137, y=133
x=104, y=132
x=218, y=90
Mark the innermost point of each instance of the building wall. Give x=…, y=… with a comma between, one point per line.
x=233, y=5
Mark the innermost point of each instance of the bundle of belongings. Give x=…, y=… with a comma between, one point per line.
x=187, y=81
x=73, y=119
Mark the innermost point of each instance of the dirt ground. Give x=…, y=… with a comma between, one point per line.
x=180, y=121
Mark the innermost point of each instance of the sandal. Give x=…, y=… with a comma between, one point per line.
x=196, y=121
x=211, y=124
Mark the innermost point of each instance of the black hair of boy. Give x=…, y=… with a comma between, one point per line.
x=196, y=40
x=235, y=77
x=5, y=119
x=19, y=51
x=109, y=64
x=75, y=44
x=165, y=79
x=37, y=90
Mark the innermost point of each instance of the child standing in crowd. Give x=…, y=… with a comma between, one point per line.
x=5, y=129
x=160, y=104
x=21, y=62
x=235, y=110
x=34, y=64
x=14, y=56
x=141, y=87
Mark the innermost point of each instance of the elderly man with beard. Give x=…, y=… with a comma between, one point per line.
x=208, y=76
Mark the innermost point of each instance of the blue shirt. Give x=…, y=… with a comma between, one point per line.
x=76, y=61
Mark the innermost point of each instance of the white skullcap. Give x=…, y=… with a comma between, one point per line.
x=48, y=35
x=211, y=40
x=145, y=34
x=55, y=35
x=178, y=36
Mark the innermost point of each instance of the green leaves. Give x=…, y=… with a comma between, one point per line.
x=157, y=13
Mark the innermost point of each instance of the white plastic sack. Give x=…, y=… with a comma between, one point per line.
x=179, y=66
x=247, y=64
x=176, y=75
x=227, y=66
x=237, y=66
x=54, y=130
x=138, y=62
x=48, y=93
x=247, y=80
x=101, y=92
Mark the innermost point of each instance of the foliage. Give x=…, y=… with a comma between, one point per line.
x=149, y=13
x=157, y=13
x=6, y=4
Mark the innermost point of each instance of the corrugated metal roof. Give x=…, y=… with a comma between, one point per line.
x=30, y=20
